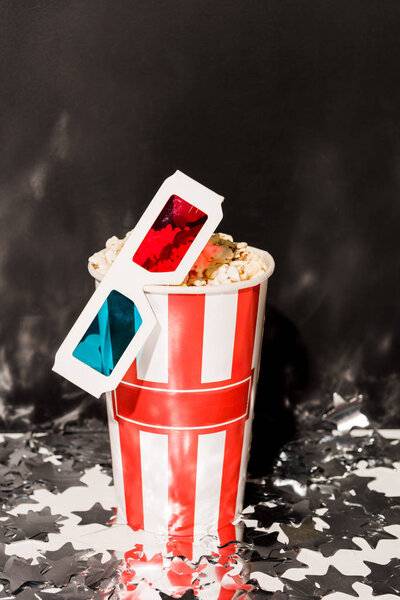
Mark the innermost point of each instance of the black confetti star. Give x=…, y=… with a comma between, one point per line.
x=65, y=550
x=258, y=594
x=264, y=543
x=344, y=522
x=371, y=501
x=337, y=543
x=96, y=514
x=303, y=588
x=72, y=591
x=260, y=564
x=289, y=561
x=6, y=535
x=61, y=477
x=18, y=572
x=11, y=481
x=305, y=535
x=354, y=483
x=316, y=495
x=394, y=581
x=267, y=515
x=99, y=571
x=374, y=536
x=60, y=571
x=34, y=524
x=335, y=581
x=18, y=454
x=300, y=510
x=10, y=444
x=333, y=468
x=380, y=575
x=391, y=515
x=380, y=588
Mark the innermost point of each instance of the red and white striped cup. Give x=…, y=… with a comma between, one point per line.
x=180, y=420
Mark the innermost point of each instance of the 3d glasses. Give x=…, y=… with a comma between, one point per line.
x=117, y=320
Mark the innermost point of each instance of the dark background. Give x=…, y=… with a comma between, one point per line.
x=290, y=109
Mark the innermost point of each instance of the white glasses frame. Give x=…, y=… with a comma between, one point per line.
x=128, y=278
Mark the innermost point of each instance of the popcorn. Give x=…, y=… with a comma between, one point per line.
x=221, y=262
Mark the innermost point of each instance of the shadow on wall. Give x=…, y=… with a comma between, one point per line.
x=284, y=378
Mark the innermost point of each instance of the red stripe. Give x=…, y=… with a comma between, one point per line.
x=226, y=535
x=230, y=472
x=131, y=374
x=184, y=409
x=131, y=467
x=185, y=340
x=182, y=449
x=246, y=320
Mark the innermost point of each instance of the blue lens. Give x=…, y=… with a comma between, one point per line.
x=109, y=334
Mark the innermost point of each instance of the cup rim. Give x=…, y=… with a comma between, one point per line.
x=207, y=289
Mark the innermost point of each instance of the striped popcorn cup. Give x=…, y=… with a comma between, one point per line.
x=180, y=420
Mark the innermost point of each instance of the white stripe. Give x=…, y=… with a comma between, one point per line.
x=259, y=326
x=152, y=361
x=116, y=458
x=154, y=463
x=243, y=465
x=210, y=462
x=218, y=337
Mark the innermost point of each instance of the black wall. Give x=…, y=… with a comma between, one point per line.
x=290, y=109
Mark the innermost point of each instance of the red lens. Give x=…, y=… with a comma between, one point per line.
x=170, y=236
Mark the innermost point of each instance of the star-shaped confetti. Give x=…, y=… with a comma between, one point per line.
x=288, y=560
x=267, y=515
x=304, y=535
x=334, y=581
x=10, y=444
x=99, y=571
x=345, y=522
x=96, y=514
x=59, y=572
x=374, y=535
x=336, y=543
x=18, y=572
x=371, y=501
x=381, y=573
x=391, y=515
x=264, y=543
x=61, y=477
x=72, y=591
x=354, y=483
x=259, y=564
x=65, y=550
x=312, y=472
x=34, y=524
x=302, y=589
x=394, y=581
